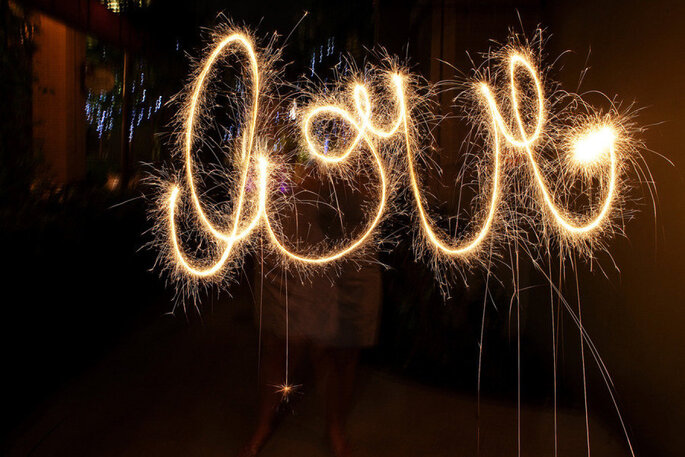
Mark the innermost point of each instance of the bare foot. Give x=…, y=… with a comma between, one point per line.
x=340, y=447
x=256, y=442
x=248, y=451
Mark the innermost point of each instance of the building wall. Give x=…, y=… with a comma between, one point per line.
x=59, y=100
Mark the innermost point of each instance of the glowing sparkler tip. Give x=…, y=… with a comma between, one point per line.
x=590, y=147
x=262, y=163
x=286, y=390
x=173, y=193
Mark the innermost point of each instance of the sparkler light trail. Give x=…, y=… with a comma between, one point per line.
x=561, y=172
x=593, y=150
x=247, y=142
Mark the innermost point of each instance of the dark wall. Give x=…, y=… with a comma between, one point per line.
x=636, y=317
x=634, y=50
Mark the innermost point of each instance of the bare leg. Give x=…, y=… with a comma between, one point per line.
x=272, y=375
x=339, y=393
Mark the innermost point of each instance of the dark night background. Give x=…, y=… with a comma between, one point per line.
x=94, y=363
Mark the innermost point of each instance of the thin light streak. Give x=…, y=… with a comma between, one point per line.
x=480, y=351
x=554, y=351
x=582, y=359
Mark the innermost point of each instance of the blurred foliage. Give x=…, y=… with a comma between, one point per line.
x=148, y=91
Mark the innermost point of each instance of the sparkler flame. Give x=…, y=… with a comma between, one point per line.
x=592, y=147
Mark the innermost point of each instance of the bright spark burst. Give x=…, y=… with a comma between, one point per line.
x=593, y=146
x=286, y=390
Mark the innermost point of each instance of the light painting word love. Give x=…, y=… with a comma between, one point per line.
x=515, y=118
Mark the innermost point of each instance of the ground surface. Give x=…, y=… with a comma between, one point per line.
x=176, y=388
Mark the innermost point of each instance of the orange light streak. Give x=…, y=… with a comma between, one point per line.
x=592, y=150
